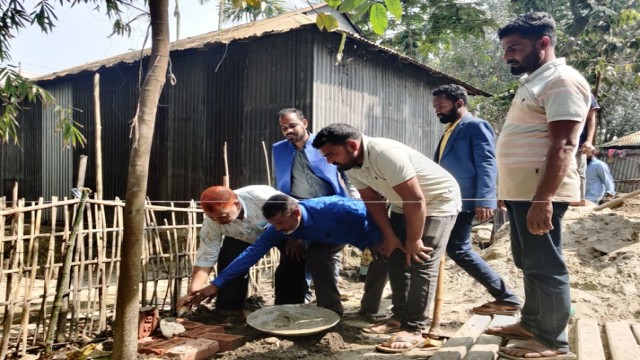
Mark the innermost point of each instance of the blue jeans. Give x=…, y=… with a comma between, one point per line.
x=459, y=250
x=546, y=279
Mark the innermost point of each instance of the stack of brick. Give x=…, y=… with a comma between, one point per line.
x=198, y=342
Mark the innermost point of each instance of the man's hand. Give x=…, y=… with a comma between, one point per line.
x=587, y=148
x=483, y=213
x=502, y=205
x=184, y=301
x=417, y=252
x=206, y=293
x=390, y=244
x=295, y=249
x=377, y=251
x=539, y=217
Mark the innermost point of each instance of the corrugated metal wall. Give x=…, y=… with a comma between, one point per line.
x=374, y=92
x=625, y=170
x=57, y=161
x=231, y=93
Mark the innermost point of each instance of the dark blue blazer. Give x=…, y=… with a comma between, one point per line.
x=469, y=156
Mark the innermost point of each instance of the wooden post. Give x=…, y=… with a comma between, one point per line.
x=82, y=170
x=225, y=178
x=98, y=134
x=266, y=160
x=437, y=306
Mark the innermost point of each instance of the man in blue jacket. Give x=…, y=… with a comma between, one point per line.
x=466, y=151
x=301, y=171
x=330, y=220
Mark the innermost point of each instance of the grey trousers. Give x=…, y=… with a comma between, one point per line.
x=321, y=262
x=374, y=283
x=581, y=161
x=413, y=287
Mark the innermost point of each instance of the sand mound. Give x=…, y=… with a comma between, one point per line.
x=602, y=250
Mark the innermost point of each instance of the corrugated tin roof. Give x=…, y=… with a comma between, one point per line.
x=278, y=24
x=631, y=140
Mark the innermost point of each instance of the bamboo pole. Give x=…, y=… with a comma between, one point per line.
x=63, y=279
x=12, y=284
x=439, y=298
x=98, y=134
x=102, y=294
x=617, y=201
x=266, y=160
x=48, y=272
x=91, y=270
x=225, y=178
x=33, y=254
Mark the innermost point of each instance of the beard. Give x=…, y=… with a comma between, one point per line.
x=529, y=63
x=449, y=117
x=289, y=232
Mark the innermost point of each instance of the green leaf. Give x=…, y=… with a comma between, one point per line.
x=394, y=7
x=378, y=18
x=334, y=3
x=360, y=11
x=254, y=3
x=349, y=5
x=238, y=4
x=327, y=21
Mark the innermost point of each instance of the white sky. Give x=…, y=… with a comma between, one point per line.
x=81, y=34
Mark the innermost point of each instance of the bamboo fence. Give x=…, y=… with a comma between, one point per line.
x=33, y=238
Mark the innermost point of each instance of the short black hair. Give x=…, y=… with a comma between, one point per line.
x=533, y=25
x=452, y=92
x=278, y=204
x=335, y=134
x=286, y=111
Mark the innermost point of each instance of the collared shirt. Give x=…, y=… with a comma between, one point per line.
x=554, y=92
x=445, y=137
x=599, y=181
x=304, y=183
x=388, y=163
x=329, y=219
x=248, y=229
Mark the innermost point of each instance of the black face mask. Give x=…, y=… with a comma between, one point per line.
x=589, y=160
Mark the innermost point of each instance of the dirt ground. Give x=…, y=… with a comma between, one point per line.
x=602, y=250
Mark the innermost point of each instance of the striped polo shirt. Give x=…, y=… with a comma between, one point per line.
x=553, y=92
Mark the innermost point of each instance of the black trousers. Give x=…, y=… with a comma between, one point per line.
x=289, y=278
x=234, y=292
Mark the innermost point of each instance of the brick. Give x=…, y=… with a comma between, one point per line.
x=197, y=333
x=161, y=347
x=148, y=320
x=195, y=349
x=188, y=324
x=226, y=342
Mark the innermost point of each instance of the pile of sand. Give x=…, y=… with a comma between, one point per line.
x=602, y=250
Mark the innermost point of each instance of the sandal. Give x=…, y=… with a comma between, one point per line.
x=513, y=331
x=496, y=308
x=414, y=342
x=534, y=350
x=387, y=326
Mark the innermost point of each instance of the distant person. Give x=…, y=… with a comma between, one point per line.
x=600, y=184
x=233, y=221
x=425, y=200
x=538, y=178
x=466, y=151
x=328, y=219
x=585, y=146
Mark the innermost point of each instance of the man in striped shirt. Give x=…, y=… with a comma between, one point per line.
x=537, y=178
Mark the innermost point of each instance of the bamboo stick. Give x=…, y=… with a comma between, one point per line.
x=266, y=160
x=37, y=207
x=102, y=245
x=48, y=273
x=616, y=201
x=33, y=254
x=97, y=133
x=63, y=280
x=91, y=270
x=225, y=178
x=12, y=286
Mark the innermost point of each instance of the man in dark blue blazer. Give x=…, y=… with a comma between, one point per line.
x=466, y=150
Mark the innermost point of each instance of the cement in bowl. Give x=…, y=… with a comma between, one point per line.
x=292, y=320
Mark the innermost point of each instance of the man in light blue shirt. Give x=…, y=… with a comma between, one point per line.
x=328, y=219
x=599, y=180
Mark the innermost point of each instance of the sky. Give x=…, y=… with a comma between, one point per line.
x=82, y=34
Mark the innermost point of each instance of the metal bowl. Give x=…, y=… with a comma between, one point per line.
x=293, y=320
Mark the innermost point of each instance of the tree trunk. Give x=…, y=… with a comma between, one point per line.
x=127, y=303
